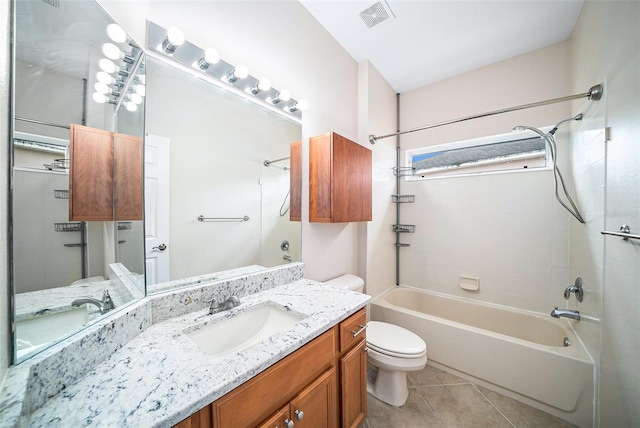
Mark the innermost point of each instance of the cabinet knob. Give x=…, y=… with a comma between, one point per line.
x=288, y=423
x=299, y=414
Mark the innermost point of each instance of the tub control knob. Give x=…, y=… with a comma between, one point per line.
x=299, y=414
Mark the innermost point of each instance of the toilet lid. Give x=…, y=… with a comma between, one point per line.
x=394, y=339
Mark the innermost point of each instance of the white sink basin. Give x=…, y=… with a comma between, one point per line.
x=246, y=329
x=31, y=333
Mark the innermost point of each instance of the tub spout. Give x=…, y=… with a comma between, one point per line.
x=565, y=313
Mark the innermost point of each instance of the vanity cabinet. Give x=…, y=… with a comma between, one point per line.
x=353, y=370
x=105, y=175
x=321, y=385
x=314, y=407
x=340, y=180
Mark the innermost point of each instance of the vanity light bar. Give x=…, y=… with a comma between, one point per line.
x=222, y=74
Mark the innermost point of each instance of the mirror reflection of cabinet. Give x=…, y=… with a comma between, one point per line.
x=339, y=180
x=295, y=183
x=105, y=175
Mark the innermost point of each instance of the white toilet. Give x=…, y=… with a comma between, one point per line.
x=392, y=352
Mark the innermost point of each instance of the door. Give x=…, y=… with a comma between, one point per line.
x=156, y=205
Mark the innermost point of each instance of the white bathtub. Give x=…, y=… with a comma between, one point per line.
x=517, y=353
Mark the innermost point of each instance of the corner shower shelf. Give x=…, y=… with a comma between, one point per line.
x=68, y=227
x=61, y=194
x=402, y=199
x=403, y=171
x=404, y=228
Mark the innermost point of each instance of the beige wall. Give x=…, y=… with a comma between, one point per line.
x=606, y=48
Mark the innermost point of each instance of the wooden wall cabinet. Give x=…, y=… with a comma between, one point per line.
x=339, y=180
x=321, y=385
x=105, y=175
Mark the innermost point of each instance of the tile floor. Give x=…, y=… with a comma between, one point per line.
x=440, y=399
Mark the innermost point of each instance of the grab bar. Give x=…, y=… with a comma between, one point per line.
x=625, y=233
x=203, y=218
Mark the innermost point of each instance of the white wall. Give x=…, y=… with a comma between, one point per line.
x=283, y=41
x=506, y=229
x=606, y=48
x=377, y=115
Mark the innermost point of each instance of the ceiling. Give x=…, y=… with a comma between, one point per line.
x=431, y=40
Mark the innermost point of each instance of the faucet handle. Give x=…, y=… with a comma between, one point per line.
x=214, y=305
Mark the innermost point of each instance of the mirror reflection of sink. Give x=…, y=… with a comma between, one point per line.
x=39, y=330
x=246, y=329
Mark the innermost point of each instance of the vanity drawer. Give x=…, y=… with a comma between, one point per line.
x=252, y=402
x=352, y=330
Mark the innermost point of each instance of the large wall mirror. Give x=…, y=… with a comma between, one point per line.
x=77, y=151
x=224, y=210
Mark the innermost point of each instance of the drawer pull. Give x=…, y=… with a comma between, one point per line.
x=299, y=414
x=362, y=328
x=288, y=423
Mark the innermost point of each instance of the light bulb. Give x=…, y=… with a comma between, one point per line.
x=175, y=37
x=131, y=106
x=111, y=51
x=105, y=78
x=99, y=98
x=136, y=98
x=284, y=95
x=101, y=88
x=116, y=33
x=140, y=90
x=107, y=65
x=240, y=72
x=300, y=105
x=209, y=57
x=263, y=84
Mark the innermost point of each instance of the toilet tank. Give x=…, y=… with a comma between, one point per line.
x=348, y=281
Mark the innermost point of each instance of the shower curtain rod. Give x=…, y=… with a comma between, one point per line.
x=39, y=122
x=595, y=93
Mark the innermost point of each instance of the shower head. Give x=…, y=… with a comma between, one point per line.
x=521, y=128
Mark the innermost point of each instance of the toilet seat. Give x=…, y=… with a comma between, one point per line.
x=394, y=341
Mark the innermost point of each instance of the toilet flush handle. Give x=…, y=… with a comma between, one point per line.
x=356, y=333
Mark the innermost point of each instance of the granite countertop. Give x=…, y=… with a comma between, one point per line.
x=161, y=377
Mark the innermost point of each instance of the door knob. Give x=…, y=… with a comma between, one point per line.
x=160, y=247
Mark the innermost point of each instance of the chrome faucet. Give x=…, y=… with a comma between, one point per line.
x=215, y=306
x=565, y=313
x=105, y=305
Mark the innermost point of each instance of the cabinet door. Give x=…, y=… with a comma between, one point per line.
x=127, y=177
x=90, y=174
x=353, y=386
x=350, y=181
x=278, y=420
x=320, y=178
x=317, y=405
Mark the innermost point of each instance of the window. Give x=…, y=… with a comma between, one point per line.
x=506, y=152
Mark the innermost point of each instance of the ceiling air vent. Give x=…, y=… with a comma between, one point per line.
x=377, y=14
